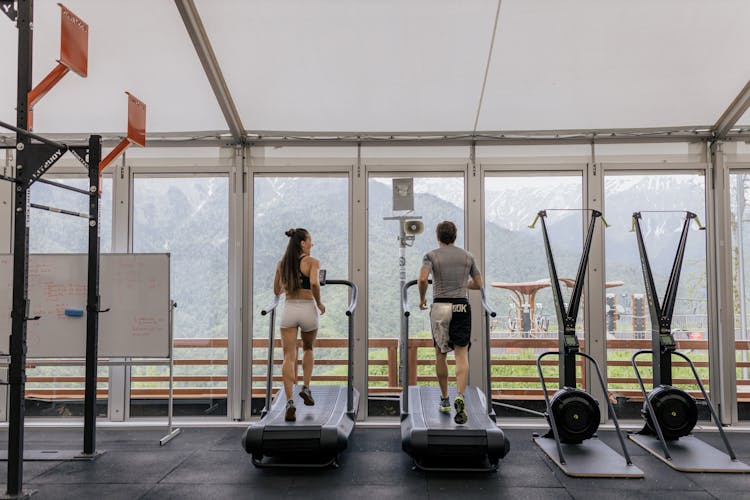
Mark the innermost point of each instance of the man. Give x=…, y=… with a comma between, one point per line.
x=453, y=272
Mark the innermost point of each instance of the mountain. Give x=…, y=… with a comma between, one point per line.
x=189, y=217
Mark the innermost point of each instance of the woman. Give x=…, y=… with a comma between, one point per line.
x=297, y=276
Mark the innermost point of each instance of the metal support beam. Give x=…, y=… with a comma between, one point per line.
x=721, y=302
x=732, y=114
x=594, y=320
x=92, y=299
x=272, y=138
x=198, y=35
x=474, y=243
x=17, y=367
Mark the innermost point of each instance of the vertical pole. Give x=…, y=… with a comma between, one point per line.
x=404, y=322
x=474, y=243
x=92, y=307
x=358, y=236
x=404, y=348
x=17, y=369
x=595, y=321
x=721, y=310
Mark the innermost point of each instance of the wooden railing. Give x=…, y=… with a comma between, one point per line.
x=187, y=386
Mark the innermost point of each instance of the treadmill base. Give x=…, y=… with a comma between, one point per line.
x=269, y=463
x=591, y=458
x=486, y=467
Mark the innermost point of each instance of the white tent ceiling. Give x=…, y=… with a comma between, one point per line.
x=390, y=65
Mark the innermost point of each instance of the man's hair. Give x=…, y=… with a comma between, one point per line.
x=446, y=232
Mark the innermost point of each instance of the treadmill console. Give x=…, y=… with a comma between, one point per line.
x=571, y=342
x=667, y=341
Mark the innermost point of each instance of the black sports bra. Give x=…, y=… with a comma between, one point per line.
x=304, y=280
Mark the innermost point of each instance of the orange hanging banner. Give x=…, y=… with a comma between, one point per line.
x=74, y=56
x=74, y=42
x=136, y=120
x=136, y=130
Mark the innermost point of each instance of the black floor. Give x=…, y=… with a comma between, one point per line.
x=209, y=463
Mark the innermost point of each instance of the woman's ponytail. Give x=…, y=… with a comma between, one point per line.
x=290, y=268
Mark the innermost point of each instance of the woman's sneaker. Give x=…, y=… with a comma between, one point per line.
x=461, y=416
x=306, y=396
x=291, y=412
x=445, y=405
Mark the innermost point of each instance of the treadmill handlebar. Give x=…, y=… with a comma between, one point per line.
x=350, y=310
x=486, y=306
x=270, y=307
x=353, y=303
x=405, y=298
x=409, y=284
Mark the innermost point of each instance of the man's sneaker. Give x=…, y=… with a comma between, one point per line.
x=306, y=396
x=445, y=405
x=291, y=412
x=460, y=406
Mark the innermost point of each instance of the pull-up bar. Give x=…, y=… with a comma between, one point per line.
x=63, y=186
x=60, y=211
x=50, y=142
x=74, y=56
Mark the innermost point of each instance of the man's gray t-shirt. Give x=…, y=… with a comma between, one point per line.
x=450, y=266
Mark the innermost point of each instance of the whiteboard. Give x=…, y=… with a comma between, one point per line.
x=135, y=287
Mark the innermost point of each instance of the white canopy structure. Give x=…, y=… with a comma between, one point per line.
x=327, y=68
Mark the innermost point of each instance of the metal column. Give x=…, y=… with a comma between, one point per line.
x=17, y=368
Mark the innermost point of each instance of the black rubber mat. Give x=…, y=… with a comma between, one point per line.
x=210, y=463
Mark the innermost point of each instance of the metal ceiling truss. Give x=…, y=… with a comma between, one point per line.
x=486, y=138
x=733, y=113
x=194, y=25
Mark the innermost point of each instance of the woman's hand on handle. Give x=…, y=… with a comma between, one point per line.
x=321, y=308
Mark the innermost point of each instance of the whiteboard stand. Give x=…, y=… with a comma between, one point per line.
x=171, y=433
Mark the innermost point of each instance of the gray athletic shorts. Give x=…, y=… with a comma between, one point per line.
x=300, y=313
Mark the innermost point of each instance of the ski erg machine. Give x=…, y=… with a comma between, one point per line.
x=321, y=431
x=573, y=414
x=671, y=413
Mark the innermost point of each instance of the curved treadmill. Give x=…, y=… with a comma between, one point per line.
x=322, y=431
x=432, y=438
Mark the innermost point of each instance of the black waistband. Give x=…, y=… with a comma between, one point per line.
x=452, y=300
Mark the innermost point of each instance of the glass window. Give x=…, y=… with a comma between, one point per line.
x=435, y=199
x=189, y=218
x=517, y=278
x=58, y=391
x=320, y=205
x=628, y=319
x=51, y=232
